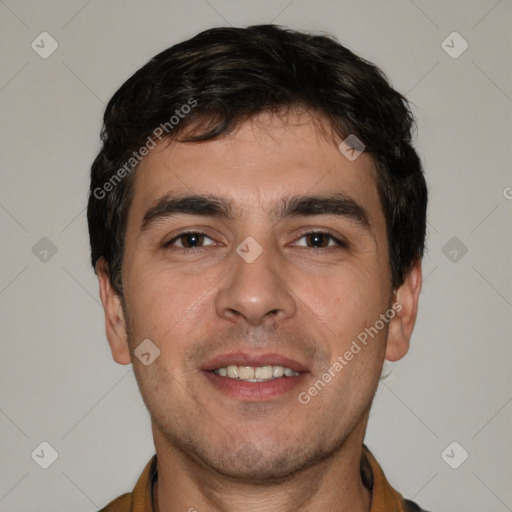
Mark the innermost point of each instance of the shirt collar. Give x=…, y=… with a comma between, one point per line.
x=384, y=497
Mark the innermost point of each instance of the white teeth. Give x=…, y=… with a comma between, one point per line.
x=263, y=372
x=232, y=371
x=246, y=372
x=277, y=371
x=255, y=373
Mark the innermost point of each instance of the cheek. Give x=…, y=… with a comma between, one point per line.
x=343, y=303
x=168, y=306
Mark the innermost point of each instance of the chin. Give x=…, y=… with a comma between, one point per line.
x=251, y=465
x=269, y=462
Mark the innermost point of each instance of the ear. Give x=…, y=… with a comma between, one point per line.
x=115, y=325
x=405, y=304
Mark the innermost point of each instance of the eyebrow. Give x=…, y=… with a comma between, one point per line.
x=203, y=205
x=339, y=204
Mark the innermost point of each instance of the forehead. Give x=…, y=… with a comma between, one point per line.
x=266, y=158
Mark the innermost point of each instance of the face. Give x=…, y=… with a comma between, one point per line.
x=255, y=254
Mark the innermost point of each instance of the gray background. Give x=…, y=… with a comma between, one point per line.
x=58, y=381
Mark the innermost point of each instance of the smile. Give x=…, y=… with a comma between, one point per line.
x=255, y=373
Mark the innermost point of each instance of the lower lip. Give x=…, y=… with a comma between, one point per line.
x=254, y=391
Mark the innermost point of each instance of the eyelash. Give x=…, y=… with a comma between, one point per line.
x=169, y=244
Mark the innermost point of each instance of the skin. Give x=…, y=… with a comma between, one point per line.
x=217, y=452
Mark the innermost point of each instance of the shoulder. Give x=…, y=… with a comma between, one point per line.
x=121, y=504
x=139, y=500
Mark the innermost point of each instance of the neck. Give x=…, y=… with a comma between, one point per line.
x=332, y=485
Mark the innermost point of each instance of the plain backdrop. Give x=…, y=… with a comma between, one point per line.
x=58, y=383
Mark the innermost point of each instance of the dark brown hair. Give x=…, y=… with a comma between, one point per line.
x=223, y=76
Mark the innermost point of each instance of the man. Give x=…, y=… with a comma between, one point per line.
x=257, y=223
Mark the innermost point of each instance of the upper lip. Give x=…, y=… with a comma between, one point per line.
x=246, y=359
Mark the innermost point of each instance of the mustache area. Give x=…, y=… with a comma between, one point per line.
x=239, y=339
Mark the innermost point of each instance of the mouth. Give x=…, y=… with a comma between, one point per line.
x=255, y=373
x=254, y=377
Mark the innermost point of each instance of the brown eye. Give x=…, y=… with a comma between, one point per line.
x=189, y=240
x=320, y=240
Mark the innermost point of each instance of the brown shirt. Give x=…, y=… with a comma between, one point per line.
x=384, y=497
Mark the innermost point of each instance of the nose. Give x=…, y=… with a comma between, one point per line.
x=256, y=291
